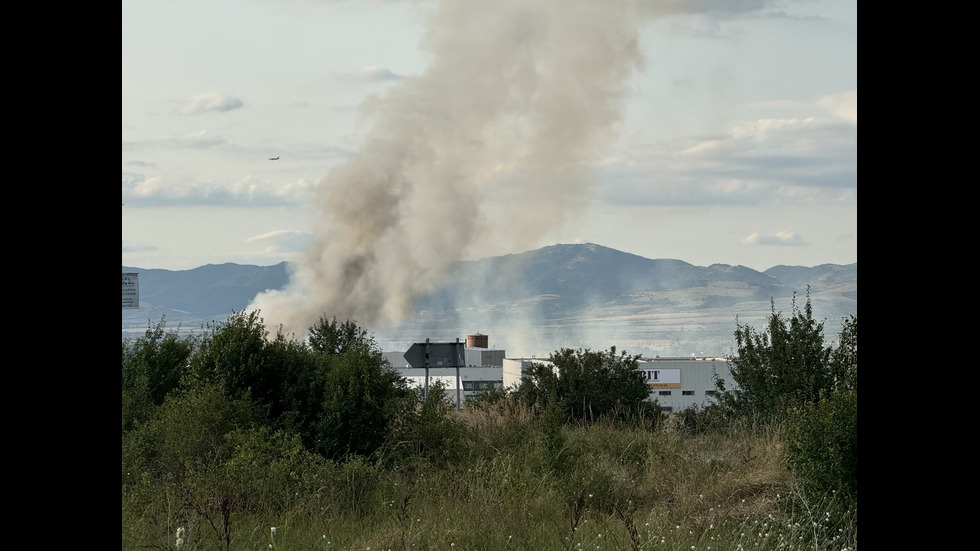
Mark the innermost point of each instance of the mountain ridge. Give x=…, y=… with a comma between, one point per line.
x=565, y=291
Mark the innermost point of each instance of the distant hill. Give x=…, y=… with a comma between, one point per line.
x=573, y=276
x=820, y=277
x=580, y=295
x=201, y=295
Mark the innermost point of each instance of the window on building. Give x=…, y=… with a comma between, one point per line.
x=667, y=409
x=665, y=393
x=710, y=392
x=687, y=392
x=481, y=386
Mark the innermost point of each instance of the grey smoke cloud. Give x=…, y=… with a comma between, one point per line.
x=494, y=141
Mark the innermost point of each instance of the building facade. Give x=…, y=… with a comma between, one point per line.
x=679, y=383
x=481, y=370
x=676, y=383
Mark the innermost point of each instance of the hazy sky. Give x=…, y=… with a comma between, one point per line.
x=413, y=133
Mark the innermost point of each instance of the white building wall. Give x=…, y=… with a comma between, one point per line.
x=680, y=382
x=472, y=380
x=675, y=383
x=483, y=357
x=513, y=370
x=684, y=382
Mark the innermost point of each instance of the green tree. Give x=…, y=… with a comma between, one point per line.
x=231, y=354
x=152, y=368
x=822, y=447
x=201, y=459
x=789, y=374
x=279, y=375
x=328, y=336
x=843, y=361
x=426, y=431
x=362, y=397
x=778, y=369
x=189, y=426
x=295, y=404
x=588, y=384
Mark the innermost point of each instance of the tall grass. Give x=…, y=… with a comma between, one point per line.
x=516, y=483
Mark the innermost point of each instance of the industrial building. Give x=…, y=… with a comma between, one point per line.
x=677, y=383
x=480, y=372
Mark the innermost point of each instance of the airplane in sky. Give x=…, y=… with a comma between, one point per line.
x=276, y=158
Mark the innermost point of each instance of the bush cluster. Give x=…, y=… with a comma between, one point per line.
x=789, y=373
x=235, y=429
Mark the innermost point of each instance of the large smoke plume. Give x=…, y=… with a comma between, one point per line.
x=493, y=142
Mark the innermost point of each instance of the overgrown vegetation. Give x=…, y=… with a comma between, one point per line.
x=788, y=372
x=587, y=385
x=236, y=439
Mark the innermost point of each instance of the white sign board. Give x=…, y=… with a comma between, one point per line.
x=130, y=291
x=662, y=378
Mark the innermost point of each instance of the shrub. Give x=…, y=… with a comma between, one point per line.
x=427, y=431
x=821, y=448
x=587, y=385
x=152, y=368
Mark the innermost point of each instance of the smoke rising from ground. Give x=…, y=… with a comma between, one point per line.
x=493, y=142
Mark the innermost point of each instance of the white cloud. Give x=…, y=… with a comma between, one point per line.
x=844, y=105
x=370, y=73
x=281, y=241
x=778, y=238
x=211, y=101
x=200, y=190
x=765, y=161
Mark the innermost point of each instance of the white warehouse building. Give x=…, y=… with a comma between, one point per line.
x=676, y=383
x=481, y=370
